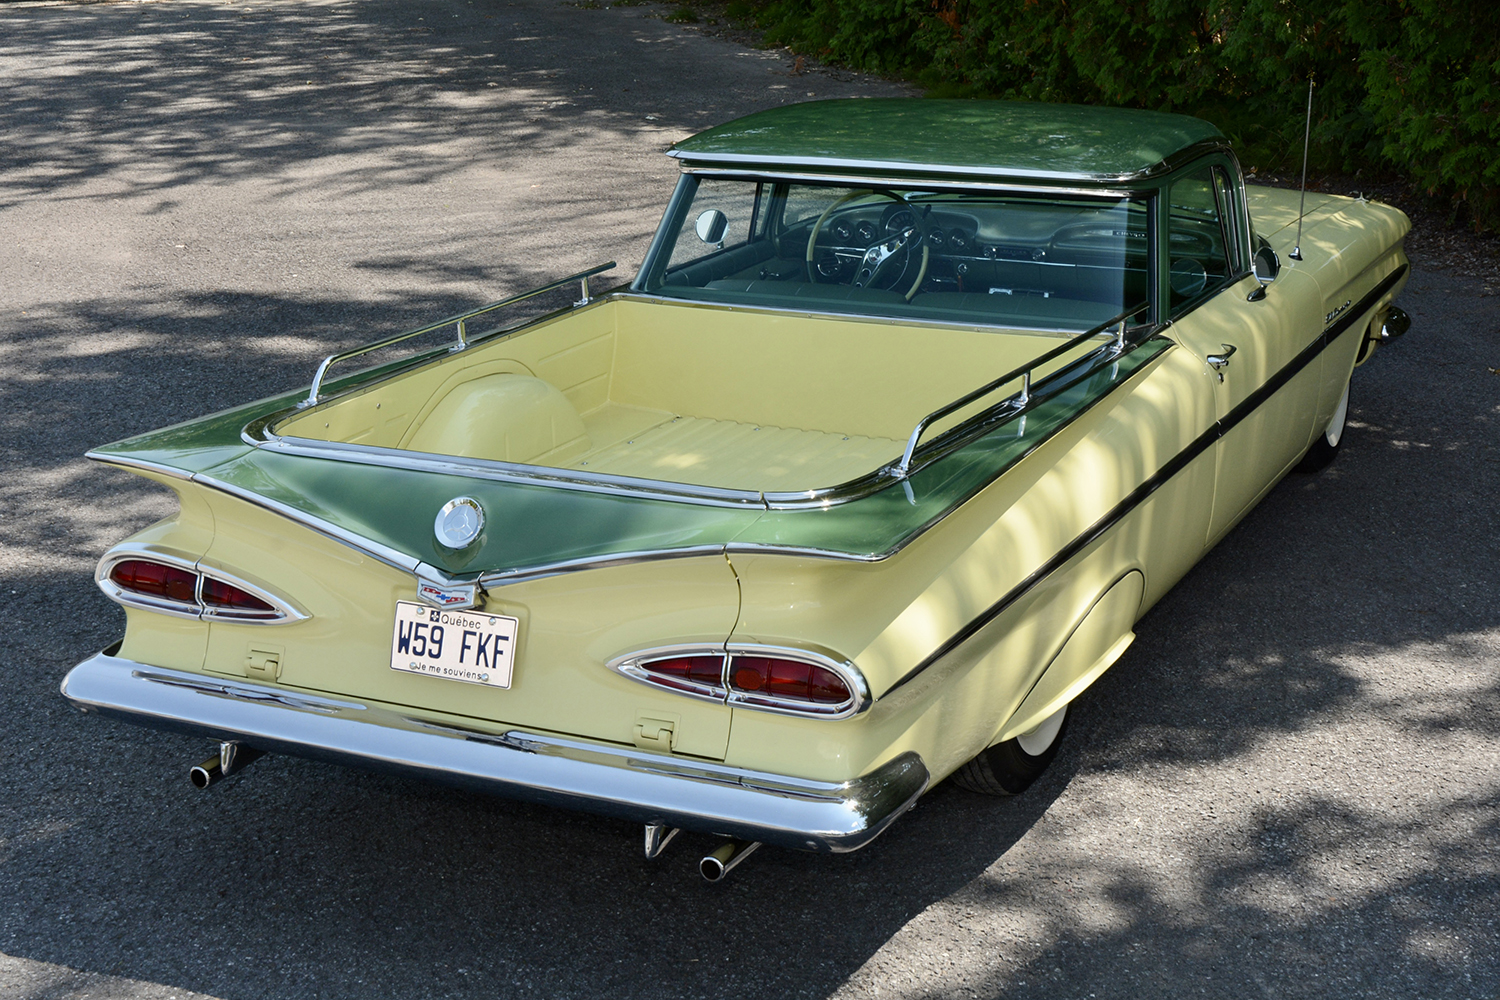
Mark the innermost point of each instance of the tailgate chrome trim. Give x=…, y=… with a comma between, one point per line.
x=828, y=817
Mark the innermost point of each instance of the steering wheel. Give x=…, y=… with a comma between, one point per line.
x=877, y=259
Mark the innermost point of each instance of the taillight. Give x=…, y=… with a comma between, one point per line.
x=750, y=677
x=218, y=594
x=694, y=671
x=791, y=680
x=180, y=590
x=156, y=579
x=707, y=670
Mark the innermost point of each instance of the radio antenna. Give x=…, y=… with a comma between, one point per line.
x=1302, y=205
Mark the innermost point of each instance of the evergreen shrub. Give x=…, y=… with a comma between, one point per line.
x=1406, y=85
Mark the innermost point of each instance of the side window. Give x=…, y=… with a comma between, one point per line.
x=739, y=203
x=804, y=202
x=1229, y=205
x=1198, y=260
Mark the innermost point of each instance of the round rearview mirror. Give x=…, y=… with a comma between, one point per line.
x=711, y=226
x=1267, y=265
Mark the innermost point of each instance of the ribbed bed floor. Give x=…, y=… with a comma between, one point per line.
x=733, y=455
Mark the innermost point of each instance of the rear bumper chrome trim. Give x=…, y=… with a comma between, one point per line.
x=613, y=781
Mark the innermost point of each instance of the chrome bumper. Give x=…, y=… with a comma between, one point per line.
x=614, y=781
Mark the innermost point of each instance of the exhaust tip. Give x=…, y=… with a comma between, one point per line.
x=722, y=861
x=206, y=773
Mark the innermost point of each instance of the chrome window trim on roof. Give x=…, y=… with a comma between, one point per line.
x=986, y=185
x=819, y=164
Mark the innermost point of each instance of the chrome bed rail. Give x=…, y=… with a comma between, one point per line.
x=459, y=323
x=1017, y=401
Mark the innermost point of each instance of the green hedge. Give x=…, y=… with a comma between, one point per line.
x=1406, y=85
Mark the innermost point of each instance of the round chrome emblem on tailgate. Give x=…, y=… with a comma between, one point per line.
x=459, y=522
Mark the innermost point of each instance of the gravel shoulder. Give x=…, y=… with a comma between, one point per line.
x=1288, y=787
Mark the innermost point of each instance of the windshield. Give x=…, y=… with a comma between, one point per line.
x=976, y=257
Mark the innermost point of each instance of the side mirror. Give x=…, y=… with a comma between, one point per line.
x=711, y=226
x=1266, y=264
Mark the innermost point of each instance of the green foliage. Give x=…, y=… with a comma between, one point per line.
x=1432, y=70
x=1412, y=85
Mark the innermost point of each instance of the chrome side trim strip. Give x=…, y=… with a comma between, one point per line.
x=830, y=817
x=502, y=577
x=1158, y=479
x=137, y=465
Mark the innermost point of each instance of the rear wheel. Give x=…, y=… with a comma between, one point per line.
x=1325, y=448
x=1009, y=768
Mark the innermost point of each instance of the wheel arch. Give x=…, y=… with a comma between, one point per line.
x=1099, y=639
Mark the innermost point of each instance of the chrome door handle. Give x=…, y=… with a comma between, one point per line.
x=1221, y=361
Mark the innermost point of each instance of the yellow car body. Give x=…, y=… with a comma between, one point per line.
x=670, y=473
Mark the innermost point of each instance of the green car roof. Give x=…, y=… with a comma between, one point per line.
x=1039, y=142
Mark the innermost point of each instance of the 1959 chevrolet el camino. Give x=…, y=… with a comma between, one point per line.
x=913, y=410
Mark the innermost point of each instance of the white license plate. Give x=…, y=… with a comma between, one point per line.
x=470, y=646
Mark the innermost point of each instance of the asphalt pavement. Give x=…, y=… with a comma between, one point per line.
x=1288, y=787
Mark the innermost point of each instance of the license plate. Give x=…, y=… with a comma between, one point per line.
x=467, y=646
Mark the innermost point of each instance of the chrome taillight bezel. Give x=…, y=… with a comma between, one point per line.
x=633, y=665
x=284, y=611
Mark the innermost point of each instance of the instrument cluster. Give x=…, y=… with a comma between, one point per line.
x=952, y=240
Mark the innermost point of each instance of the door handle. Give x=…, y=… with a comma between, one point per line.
x=1221, y=361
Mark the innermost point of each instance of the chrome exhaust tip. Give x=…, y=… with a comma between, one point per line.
x=722, y=861
x=232, y=758
x=206, y=773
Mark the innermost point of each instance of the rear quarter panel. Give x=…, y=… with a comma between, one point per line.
x=891, y=616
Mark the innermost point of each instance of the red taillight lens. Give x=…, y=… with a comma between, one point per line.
x=707, y=671
x=218, y=594
x=155, y=579
x=790, y=680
